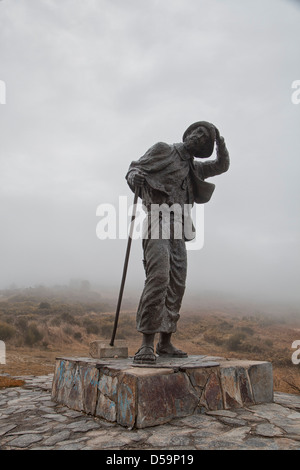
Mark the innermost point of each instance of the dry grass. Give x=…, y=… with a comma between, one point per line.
x=6, y=382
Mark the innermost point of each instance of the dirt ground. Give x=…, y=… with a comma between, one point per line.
x=34, y=361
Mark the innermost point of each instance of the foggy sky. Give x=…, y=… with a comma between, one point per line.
x=91, y=85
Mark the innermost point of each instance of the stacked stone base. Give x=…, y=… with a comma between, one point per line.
x=139, y=396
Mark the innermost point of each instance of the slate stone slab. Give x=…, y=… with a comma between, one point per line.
x=231, y=390
x=25, y=440
x=245, y=387
x=246, y=383
x=164, y=397
x=126, y=412
x=213, y=393
x=261, y=378
x=106, y=408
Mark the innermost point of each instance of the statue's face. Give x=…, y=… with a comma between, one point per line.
x=196, y=139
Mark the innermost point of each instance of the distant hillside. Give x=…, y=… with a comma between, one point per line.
x=41, y=321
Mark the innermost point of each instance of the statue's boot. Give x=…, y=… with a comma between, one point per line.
x=145, y=355
x=169, y=351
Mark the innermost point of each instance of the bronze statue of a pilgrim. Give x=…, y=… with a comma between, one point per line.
x=171, y=176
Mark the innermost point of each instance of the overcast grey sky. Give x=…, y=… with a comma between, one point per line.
x=91, y=85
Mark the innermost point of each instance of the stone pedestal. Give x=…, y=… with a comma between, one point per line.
x=141, y=396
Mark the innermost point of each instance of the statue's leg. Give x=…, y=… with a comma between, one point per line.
x=177, y=281
x=175, y=292
x=152, y=303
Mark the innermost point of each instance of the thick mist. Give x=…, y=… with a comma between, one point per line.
x=90, y=86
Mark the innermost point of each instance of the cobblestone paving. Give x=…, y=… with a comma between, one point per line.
x=29, y=419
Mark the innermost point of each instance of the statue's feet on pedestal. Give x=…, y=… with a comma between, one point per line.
x=145, y=355
x=169, y=351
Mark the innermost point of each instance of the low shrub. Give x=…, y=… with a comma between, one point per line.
x=77, y=336
x=6, y=331
x=44, y=305
x=234, y=342
x=32, y=335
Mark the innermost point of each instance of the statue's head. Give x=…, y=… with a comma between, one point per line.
x=199, y=139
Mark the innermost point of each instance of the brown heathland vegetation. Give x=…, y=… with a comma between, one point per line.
x=37, y=325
